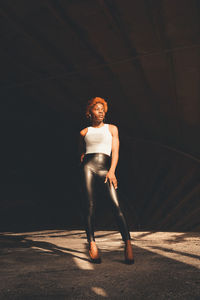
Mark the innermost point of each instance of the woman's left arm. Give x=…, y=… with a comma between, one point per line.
x=115, y=156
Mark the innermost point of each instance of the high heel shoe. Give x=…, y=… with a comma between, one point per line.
x=94, y=253
x=128, y=253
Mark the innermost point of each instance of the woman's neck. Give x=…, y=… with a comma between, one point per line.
x=96, y=124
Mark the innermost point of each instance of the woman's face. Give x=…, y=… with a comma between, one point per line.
x=98, y=112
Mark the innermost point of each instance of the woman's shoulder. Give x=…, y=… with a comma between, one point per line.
x=84, y=131
x=113, y=129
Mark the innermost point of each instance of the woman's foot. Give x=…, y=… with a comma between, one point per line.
x=128, y=252
x=94, y=253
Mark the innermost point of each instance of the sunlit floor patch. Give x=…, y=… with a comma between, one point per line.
x=83, y=264
x=181, y=257
x=179, y=246
x=99, y=291
x=41, y=249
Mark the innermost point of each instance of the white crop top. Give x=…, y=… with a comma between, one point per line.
x=98, y=140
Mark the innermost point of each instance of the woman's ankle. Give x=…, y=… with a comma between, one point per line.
x=129, y=258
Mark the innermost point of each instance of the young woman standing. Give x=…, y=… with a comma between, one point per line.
x=99, y=153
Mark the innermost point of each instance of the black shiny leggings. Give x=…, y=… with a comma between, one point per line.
x=93, y=170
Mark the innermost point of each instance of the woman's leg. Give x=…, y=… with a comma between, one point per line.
x=122, y=224
x=88, y=211
x=87, y=200
x=118, y=212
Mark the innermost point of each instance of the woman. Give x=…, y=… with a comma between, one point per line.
x=99, y=145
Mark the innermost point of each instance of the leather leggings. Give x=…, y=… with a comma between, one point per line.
x=93, y=170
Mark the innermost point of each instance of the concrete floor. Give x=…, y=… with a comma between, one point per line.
x=54, y=264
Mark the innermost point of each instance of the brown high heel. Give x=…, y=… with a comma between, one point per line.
x=94, y=253
x=128, y=252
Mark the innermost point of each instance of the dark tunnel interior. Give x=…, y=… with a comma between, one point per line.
x=143, y=58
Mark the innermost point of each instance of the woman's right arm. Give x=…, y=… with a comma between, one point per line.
x=82, y=144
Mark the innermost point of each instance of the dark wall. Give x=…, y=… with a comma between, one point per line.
x=39, y=160
x=142, y=56
x=158, y=186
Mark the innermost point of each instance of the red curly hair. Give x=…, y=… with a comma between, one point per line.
x=94, y=101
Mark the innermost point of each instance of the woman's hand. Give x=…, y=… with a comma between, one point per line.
x=112, y=179
x=82, y=157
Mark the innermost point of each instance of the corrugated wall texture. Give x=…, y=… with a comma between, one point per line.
x=163, y=187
